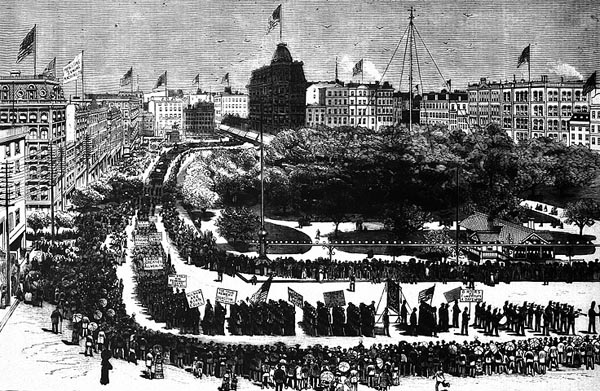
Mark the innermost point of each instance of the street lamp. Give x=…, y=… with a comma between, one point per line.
x=262, y=234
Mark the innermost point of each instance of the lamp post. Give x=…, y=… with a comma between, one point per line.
x=262, y=234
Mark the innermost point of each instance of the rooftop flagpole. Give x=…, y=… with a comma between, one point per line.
x=34, y=50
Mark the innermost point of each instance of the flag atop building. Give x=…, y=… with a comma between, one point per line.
x=452, y=294
x=358, y=68
x=27, y=46
x=196, y=79
x=590, y=84
x=426, y=294
x=162, y=79
x=225, y=78
x=261, y=294
x=50, y=70
x=127, y=77
x=73, y=69
x=274, y=19
x=524, y=57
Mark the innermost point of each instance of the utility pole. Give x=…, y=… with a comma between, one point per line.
x=7, y=234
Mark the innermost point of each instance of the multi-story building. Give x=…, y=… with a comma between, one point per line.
x=540, y=108
x=595, y=120
x=230, y=103
x=168, y=113
x=146, y=124
x=445, y=108
x=579, y=129
x=277, y=93
x=200, y=96
x=37, y=102
x=12, y=192
x=352, y=104
x=199, y=120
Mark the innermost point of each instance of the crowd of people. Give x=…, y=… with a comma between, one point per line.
x=335, y=321
x=262, y=318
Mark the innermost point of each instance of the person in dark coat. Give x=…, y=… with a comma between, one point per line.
x=106, y=366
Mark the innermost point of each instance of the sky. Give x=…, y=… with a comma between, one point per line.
x=468, y=39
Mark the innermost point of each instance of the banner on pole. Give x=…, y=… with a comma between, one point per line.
x=453, y=294
x=226, y=296
x=295, y=298
x=177, y=281
x=471, y=295
x=334, y=298
x=393, y=296
x=153, y=263
x=154, y=237
x=195, y=299
x=72, y=70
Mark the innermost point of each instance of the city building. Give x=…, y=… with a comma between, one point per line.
x=230, y=103
x=199, y=120
x=168, y=113
x=579, y=129
x=146, y=124
x=445, y=108
x=277, y=93
x=37, y=102
x=12, y=192
x=540, y=108
x=351, y=104
x=595, y=119
x=400, y=109
x=200, y=96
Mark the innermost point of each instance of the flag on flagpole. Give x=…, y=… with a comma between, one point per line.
x=524, y=57
x=72, y=70
x=225, y=78
x=196, y=79
x=127, y=77
x=261, y=294
x=50, y=70
x=274, y=19
x=358, y=68
x=27, y=46
x=452, y=294
x=426, y=294
x=162, y=79
x=590, y=84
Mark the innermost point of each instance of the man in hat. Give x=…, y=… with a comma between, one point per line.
x=591, y=318
x=465, y=322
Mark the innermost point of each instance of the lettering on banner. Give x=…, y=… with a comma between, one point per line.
x=153, y=263
x=154, y=237
x=226, y=296
x=334, y=298
x=195, y=298
x=471, y=295
x=295, y=298
x=177, y=281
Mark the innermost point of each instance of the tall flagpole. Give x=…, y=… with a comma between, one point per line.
x=281, y=24
x=34, y=50
x=166, y=87
x=529, y=65
x=131, y=81
x=82, y=77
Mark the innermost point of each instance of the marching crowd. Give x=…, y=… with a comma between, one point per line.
x=354, y=321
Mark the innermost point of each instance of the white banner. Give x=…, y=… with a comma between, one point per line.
x=177, y=281
x=195, y=298
x=72, y=70
x=226, y=296
x=471, y=295
x=153, y=263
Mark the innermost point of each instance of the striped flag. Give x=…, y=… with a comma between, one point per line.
x=452, y=295
x=524, y=57
x=50, y=70
x=358, y=68
x=27, y=46
x=274, y=19
x=196, y=79
x=426, y=294
x=162, y=79
x=261, y=294
x=127, y=77
x=590, y=84
x=225, y=78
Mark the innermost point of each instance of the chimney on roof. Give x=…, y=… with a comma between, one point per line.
x=482, y=80
x=15, y=73
x=544, y=78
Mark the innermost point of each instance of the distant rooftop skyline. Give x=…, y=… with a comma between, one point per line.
x=468, y=39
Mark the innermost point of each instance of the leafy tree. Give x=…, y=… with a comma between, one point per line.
x=437, y=238
x=336, y=202
x=37, y=221
x=86, y=197
x=582, y=213
x=64, y=219
x=197, y=187
x=238, y=224
x=575, y=166
x=405, y=219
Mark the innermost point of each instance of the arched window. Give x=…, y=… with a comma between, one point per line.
x=31, y=92
x=5, y=93
x=44, y=133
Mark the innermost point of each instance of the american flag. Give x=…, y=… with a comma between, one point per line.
x=261, y=294
x=274, y=19
x=426, y=294
x=27, y=46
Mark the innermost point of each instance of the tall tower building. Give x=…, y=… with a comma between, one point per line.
x=277, y=93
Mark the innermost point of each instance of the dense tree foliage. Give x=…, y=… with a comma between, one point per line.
x=238, y=224
x=582, y=213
